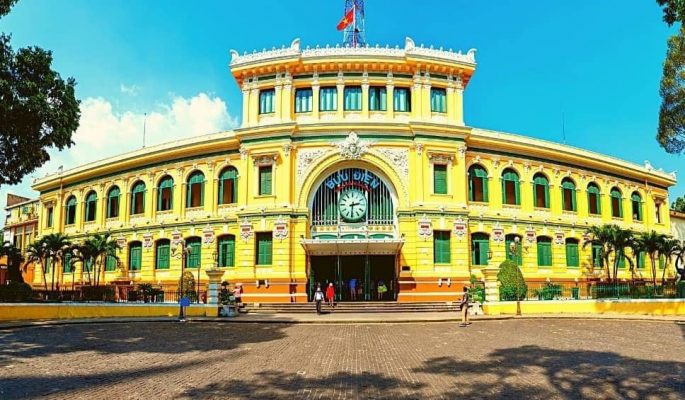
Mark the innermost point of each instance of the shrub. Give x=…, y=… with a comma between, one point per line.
x=15, y=292
x=680, y=290
x=98, y=293
x=508, y=276
x=550, y=291
x=476, y=291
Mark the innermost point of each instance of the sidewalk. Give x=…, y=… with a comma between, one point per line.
x=346, y=318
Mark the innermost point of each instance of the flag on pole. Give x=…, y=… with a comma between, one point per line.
x=346, y=20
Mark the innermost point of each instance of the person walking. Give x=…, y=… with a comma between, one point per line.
x=381, y=289
x=318, y=298
x=330, y=294
x=353, y=289
x=464, y=304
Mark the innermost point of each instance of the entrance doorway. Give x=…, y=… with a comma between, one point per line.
x=363, y=272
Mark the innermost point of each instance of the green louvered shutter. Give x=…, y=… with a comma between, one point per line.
x=441, y=247
x=440, y=179
x=265, y=180
x=572, y=256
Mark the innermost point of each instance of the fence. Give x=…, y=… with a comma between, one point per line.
x=120, y=294
x=599, y=290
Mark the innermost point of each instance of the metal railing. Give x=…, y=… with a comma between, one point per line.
x=536, y=291
x=120, y=294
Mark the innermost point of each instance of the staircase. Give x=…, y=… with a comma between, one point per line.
x=351, y=307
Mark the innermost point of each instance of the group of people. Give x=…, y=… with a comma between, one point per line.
x=356, y=290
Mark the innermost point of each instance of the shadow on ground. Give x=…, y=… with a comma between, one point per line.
x=527, y=372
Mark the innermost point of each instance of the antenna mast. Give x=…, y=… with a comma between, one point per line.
x=354, y=34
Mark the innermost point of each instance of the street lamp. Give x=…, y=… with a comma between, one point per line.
x=514, y=251
x=185, y=250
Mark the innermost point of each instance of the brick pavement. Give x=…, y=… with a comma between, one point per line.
x=504, y=359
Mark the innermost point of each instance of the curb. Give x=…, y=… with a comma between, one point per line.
x=282, y=320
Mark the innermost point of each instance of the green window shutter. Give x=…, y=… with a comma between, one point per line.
x=264, y=248
x=110, y=263
x=572, y=256
x=479, y=249
x=441, y=247
x=66, y=261
x=440, y=179
x=162, y=255
x=50, y=216
x=135, y=256
x=88, y=265
x=662, y=261
x=544, y=253
x=485, y=189
x=265, y=180
x=621, y=259
x=227, y=251
x=641, y=259
x=195, y=256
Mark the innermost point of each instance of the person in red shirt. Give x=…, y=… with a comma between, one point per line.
x=330, y=294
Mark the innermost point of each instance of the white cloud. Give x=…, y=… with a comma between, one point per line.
x=104, y=133
x=131, y=90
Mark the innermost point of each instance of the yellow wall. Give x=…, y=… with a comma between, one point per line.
x=627, y=307
x=18, y=312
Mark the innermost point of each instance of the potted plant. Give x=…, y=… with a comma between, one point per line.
x=227, y=301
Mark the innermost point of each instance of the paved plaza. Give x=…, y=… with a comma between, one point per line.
x=506, y=359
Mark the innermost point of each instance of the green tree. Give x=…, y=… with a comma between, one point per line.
x=55, y=244
x=14, y=262
x=513, y=285
x=36, y=253
x=601, y=236
x=651, y=243
x=38, y=109
x=679, y=204
x=670, y=249
x=674, y=10
x=101, y=246
x=671, y=132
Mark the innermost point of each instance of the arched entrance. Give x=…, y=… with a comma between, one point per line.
x=354, y=239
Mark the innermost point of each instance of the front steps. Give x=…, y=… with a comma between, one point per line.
x=352, y=307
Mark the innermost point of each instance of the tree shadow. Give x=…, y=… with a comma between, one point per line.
x=516, y=373
x=278, y=384
x=143, y=337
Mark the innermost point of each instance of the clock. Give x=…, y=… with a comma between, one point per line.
x=352, y=204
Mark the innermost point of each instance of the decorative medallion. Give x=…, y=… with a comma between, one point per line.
x=425, y=228
x=280, y=229
x=175, y=237
x=459, y=227
x=305, y=158
x=497, y=233
x=530, y=234
x=147, y=240
x=121, y=242
x=246, y=229
x=559, y=237
x=208, y=235
x=352, y=148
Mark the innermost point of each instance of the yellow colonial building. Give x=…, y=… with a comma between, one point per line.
x=352, y=164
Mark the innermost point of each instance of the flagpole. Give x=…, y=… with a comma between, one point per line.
x=354, y=25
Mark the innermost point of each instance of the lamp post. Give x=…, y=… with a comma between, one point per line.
x=514, y=251
x=185, y=250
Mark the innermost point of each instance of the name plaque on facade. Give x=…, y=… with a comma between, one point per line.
x=280, y=229
x=147, y=240
x=459, y=228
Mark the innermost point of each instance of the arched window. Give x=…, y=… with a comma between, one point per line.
x=226, y=247
x=135, y=256
x=568, y=195
x=478, y=183
x=514, y=248
x=138, y=198
x=91, y=206
x=228, y=186
x=572, y=255
x=544, y=251
x=616, y=203
x=195, y=195
x=510, y=187
x=636, y=202
x=195, y=255
x=165, y=194
x=594, y=204
x=113, y=202
x=70, y=211
x=480, y=247
x=541, y=191
x=162, y=254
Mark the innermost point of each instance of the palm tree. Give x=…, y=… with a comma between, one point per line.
x=36, y=253
x=651, y=242
x=102, y=246
x=601, y=236
x=55, y=244
x=85, y=253
x=621, y=239
x=14, y=262
x=669, y=249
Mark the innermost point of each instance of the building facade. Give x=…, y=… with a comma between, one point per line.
x=21, y=229
x=352, y=163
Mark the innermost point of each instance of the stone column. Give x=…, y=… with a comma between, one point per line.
x=491, y=284
x=214, y=285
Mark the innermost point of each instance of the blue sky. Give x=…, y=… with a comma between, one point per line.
x=597, y=62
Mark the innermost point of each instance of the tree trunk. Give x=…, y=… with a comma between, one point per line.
x=45, y=277
x=54, y=267
x=652, y=258
x=663, y=273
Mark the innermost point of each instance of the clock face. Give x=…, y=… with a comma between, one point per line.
x=352, y=205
